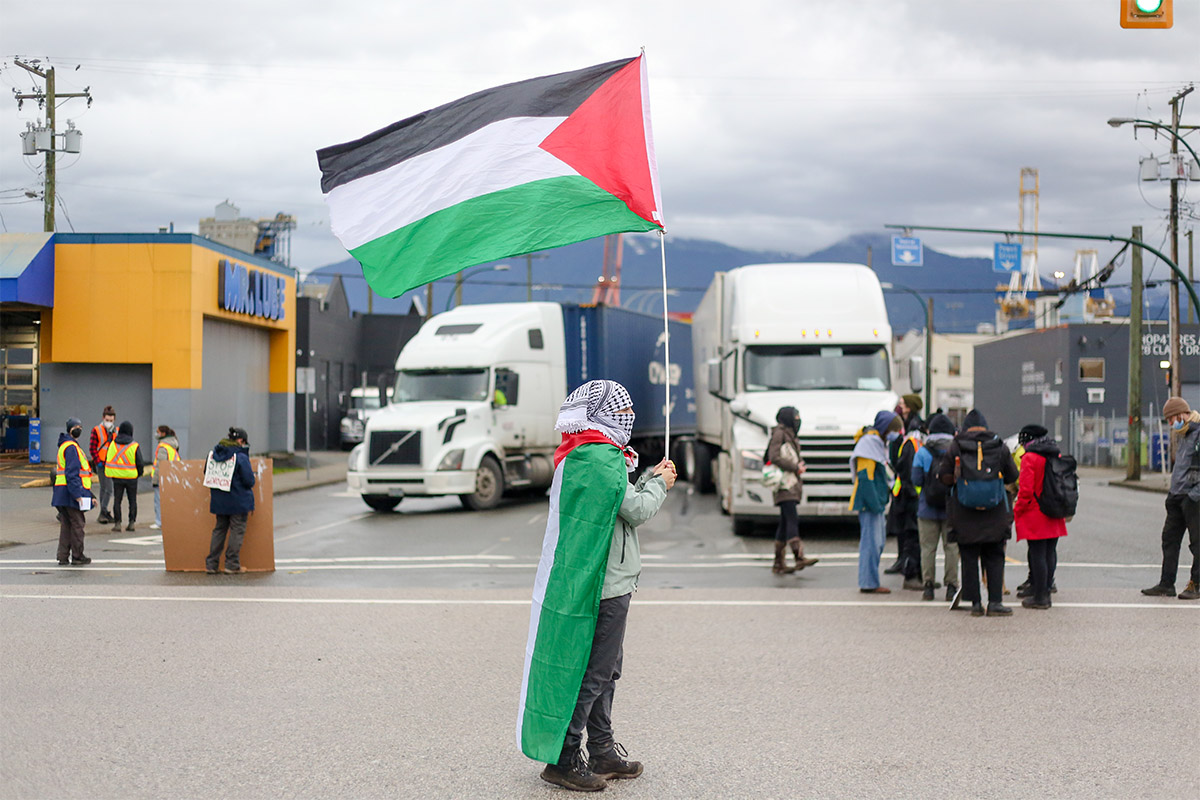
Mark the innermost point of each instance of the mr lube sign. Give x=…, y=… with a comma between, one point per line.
x=250, y=291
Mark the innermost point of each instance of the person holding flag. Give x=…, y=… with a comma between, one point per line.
x=589, y=568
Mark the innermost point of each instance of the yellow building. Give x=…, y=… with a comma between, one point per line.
x=167, y=328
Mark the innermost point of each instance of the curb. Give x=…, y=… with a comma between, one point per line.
x=312, y=484
x=1138, y=487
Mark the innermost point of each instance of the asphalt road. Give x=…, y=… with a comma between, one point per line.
x=383, y=659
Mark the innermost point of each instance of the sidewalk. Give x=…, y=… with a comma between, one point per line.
x=26, y=516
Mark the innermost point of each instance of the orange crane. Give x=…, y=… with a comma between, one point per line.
x=608, y=285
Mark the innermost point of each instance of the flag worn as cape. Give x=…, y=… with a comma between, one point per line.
x=522, y=167
x=589, y=484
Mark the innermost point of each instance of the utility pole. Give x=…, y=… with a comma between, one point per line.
x=1173, y=317
x=1191, y=264
x=929, y=406
x=1133, y=446
x=49, y=98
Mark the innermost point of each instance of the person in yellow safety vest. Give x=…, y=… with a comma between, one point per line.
x=166, y=451
x=124, y=463
x=102, y=436
x=902, y=513
x=72, y=494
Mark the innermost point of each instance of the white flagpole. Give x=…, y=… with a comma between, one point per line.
x=662, y=246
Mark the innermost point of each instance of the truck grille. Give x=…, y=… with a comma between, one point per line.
x=827, y=461
x=407, y=453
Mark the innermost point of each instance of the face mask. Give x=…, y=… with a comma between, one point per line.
x=1179, y=424
x=893, y=436
x=74, y=432
x=108, y=426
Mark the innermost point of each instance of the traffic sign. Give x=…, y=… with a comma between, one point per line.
x=1051, y=398
x=1006, y=257
x=907, y=252
x=306, y=380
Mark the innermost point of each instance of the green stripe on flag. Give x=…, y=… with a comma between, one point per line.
x=526, y=218
x=593, y=484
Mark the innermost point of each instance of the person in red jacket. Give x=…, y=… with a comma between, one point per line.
x=1039, y=531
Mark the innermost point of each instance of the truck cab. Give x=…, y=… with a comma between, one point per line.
x=813, y=336
x=468, y=413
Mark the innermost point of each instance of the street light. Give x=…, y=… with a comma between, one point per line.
x=1117, y=122
x=462, y=276
x=928, y=342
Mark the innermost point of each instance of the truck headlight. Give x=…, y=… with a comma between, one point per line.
x=751, y=460
x=352, y=461
x=452, y=460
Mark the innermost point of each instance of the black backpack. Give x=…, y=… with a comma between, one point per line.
x=1060, y=487
x=979, y=484
x=933, y=490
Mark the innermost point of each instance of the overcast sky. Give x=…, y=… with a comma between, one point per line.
x=779, y=124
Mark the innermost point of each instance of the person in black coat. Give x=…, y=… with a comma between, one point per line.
x=981, y=534
x=232, y=508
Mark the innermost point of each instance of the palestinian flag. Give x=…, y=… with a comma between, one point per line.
x=510, y=170
x=589, y=484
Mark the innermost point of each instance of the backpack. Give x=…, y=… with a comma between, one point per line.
x=978, y=482
x=1060, y=488
x=933, y=490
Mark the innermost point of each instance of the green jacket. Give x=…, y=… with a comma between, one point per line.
x=642, y=501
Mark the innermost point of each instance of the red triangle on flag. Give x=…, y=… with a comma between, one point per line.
x=604, y=140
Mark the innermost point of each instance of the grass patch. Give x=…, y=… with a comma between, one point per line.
x=279, y=470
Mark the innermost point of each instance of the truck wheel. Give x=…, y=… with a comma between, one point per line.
x=743, y=526
x=702, y=476
x=489, y=486
x=381, y=502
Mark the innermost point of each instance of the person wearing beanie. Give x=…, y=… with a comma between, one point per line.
x=1039, y=531
x=73, y=481
x=980, y=530
x=232, y=505
x=869, y=465
x=902, y=513
x=124, y=463
x=783, y=450
x=1025, y=435
x=1183, y=501
x=931, y=508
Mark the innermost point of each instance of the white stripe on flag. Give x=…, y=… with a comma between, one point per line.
x=498, y=156
x=549, y=545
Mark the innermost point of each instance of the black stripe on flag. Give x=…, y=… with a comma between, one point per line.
x=547, y=96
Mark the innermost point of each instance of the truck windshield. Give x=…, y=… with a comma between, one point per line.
x=414, y=385
x=792, y=367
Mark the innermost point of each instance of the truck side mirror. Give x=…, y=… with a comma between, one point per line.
x=383, y=393
x=714, y=378
x=916, y=374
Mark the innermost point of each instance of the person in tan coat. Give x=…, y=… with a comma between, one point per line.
x=783, y=451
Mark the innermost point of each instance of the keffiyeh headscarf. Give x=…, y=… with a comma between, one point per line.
x=594, y=406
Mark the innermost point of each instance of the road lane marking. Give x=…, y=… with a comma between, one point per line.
x=150, y=541
x=417, y=601
x=473, y=562
x=346, y=521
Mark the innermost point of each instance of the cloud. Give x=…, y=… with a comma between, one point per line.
x=779, y=125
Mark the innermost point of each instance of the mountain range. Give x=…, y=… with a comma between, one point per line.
x=963, y=288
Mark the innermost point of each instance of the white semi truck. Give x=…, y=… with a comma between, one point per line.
x=478, y=389
x=814, y=336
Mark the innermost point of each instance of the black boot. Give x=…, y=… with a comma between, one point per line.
x=928, y=595
x=896, y=567
x=574, y=774
x=612, y=764
x=998, y=610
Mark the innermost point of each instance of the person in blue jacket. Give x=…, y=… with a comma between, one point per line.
x=872, y=490
x=232, y=508
x=73, y=481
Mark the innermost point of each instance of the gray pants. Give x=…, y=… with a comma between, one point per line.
x=106, y=489
x=593, y=710
x=235, y=526
x=930, y=531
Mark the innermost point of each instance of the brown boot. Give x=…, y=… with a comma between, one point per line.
x=798, y=553
x=779, y=568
